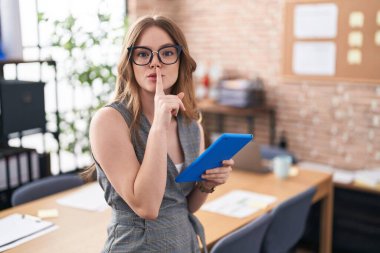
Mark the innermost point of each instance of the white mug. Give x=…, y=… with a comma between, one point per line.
x=281, y=166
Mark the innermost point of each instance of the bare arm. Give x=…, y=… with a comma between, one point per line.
x=141, y=187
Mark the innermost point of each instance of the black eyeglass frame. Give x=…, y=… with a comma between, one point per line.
x=130, y=50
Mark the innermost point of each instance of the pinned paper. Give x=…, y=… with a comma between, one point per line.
x=378, y=18
x=377, y=38
x=354, y=57
x=355, y=39
x=356, y=19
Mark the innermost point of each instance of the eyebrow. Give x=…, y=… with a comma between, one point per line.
x=164, y=45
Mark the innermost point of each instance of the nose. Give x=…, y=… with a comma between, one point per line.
x=155, y=61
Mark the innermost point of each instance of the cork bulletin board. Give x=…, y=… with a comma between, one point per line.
x=332, y=40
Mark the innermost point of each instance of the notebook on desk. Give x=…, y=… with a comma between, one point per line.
x=19, y=228
x=249, y=158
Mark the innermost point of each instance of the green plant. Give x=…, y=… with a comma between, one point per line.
x=84, y=64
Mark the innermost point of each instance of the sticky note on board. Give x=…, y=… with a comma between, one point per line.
x=356, y=19
x=354, y=57
x=377, y=38
x=355, y=39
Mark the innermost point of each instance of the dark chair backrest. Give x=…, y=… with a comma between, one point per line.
x=288, y=223
x=248, y=238
x=44, y=187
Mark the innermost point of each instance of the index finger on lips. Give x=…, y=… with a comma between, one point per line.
x=159, y=85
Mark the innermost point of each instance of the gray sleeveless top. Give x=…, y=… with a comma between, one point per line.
x=176, y=229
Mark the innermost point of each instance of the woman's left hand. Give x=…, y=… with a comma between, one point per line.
x=218, y=176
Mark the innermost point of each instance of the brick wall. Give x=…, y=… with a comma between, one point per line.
x=326, y=122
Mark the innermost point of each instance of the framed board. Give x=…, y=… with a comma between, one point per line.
x=332, y=40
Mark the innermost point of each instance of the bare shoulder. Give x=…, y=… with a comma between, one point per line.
x=108, y=125
x=107, y=119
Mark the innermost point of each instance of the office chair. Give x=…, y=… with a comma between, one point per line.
x=44, y=187
x=246, y=239
x=288, y=223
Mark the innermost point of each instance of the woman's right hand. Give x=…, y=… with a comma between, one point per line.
x=165, y=106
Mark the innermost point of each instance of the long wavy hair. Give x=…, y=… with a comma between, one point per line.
x=127, y=89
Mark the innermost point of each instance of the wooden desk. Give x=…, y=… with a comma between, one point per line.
x=84, y=231
x=283, y=190
x=209, y=106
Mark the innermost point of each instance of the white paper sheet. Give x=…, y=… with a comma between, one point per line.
x=314, y=58
x=315, y=20
x=368, y=177
x=90, y=198
x=343, y=176
x=238, y=203
x=315, y=166
x=17, y=228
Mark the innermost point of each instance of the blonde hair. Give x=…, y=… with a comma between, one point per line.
x=127, y=89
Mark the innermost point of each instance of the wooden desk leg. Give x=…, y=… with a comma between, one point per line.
x=326, y=221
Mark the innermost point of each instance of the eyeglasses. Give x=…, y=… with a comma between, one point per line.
x=143, y=56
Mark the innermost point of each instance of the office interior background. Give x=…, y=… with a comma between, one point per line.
x=327, y=121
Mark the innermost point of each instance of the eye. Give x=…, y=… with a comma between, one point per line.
x=168, y=53
x=142, y=54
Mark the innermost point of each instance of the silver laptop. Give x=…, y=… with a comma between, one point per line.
x=249, y=158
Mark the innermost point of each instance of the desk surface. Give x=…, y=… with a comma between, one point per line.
x=210, y=106
x=84, y=231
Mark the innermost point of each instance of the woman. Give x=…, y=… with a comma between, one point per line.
x=145, y=137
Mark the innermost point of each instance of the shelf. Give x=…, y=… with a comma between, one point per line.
x=20, y=61
x=210, y=106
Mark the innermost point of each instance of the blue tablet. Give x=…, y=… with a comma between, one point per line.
x=224, y=148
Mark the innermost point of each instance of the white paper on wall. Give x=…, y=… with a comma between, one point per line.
x=315, y=21
x=314, y=58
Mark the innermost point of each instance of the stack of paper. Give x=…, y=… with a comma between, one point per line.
x=16, y=229
x=239, y=203
x=343, y=176
x=339, y=175
x=315, y=166
x=90, y=198
x=368, y=177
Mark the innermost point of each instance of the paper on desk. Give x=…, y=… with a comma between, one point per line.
x=16, y=229
x=315, y=166
x=239, y=203
x=368, y=177
x=90, y=198
x=343, y=176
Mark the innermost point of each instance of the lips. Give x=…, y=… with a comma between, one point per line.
x=152, y=75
